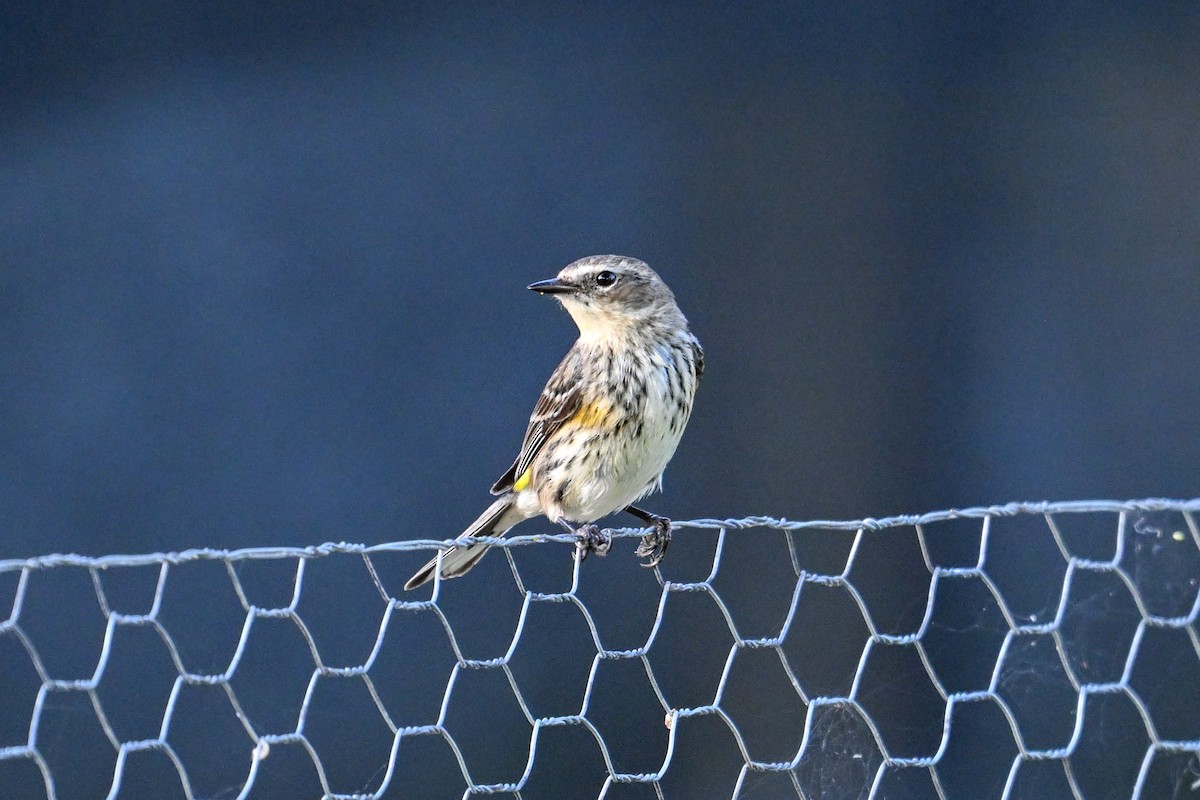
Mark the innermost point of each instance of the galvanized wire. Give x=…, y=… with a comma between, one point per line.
x=1151, y=549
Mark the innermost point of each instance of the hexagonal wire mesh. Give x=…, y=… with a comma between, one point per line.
x=1028, y=650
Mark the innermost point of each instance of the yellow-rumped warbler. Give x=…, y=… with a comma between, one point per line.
x=609, y=419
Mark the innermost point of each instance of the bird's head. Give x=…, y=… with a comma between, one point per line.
x=606, y=295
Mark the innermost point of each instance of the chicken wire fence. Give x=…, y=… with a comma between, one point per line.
x=1029, y=650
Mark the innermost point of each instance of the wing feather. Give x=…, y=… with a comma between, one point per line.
x=559, y=402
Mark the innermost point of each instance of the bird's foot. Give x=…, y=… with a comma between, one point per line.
x=594, y=540
x=654, y=544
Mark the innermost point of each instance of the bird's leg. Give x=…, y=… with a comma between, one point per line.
x=594, y=540
x=654, y=544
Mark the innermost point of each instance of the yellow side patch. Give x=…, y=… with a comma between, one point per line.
x=592, y=415
x=589, y=415
x=522, y=483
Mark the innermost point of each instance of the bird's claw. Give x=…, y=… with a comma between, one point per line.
x=594, y=540
x=654, y=544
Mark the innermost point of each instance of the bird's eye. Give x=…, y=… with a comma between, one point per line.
x=606, y=278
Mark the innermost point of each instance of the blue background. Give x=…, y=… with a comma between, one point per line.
x=263, y=267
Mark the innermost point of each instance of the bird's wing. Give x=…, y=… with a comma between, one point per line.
x=559, y=402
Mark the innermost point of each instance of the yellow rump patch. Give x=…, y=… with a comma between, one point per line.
x=522, y=483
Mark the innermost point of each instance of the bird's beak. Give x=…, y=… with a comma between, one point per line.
x=551, y=286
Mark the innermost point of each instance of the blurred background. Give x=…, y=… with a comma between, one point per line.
x=262, y=266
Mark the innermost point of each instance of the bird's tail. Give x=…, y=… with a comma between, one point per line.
x=457, y=561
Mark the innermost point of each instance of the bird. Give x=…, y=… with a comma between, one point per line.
x=608, y=421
